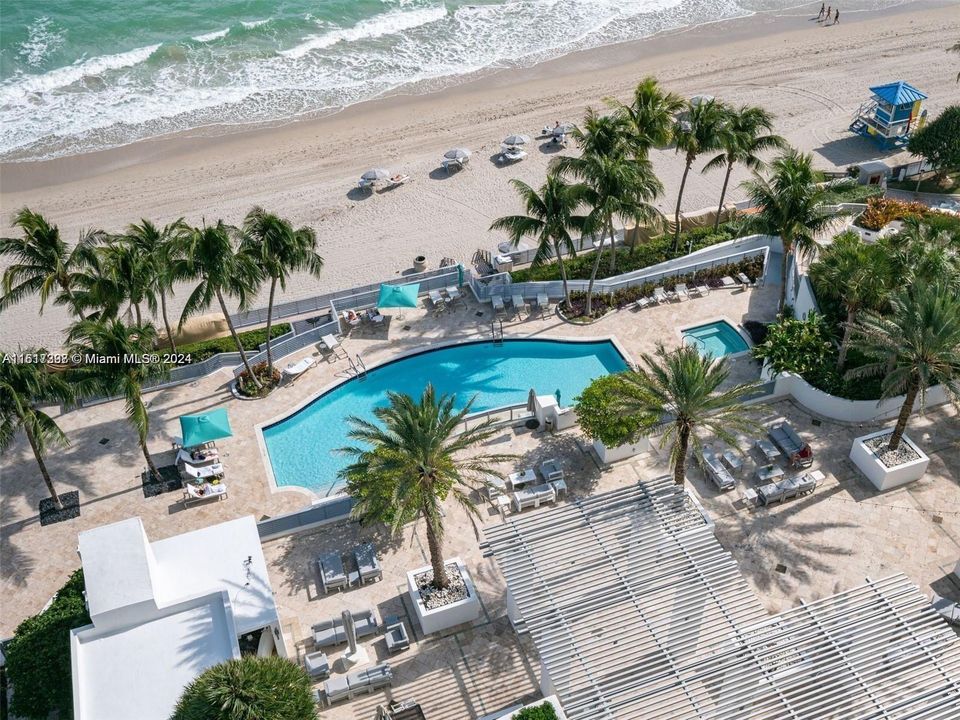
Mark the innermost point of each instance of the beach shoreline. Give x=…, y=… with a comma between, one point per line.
x=812, y=78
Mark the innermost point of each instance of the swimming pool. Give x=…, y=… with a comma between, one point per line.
x=300, y=447
x=717, y=339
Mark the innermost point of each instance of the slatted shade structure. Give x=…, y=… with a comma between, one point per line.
x=637, y=611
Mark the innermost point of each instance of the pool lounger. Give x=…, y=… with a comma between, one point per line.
x=660, y=295
x=518, y=302
x=681, y=292
x=332, y=574
x=333, y=346
x=543, y=302
x=498, y=306
x=368, y=564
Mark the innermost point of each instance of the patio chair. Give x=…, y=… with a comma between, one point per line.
x=498, y=306
x=681, y=291
x=704, y=289
x=543, y=302
x=351, y=317
x=374, y=315
x=744, y=280
x=333, y=347
x=332, y=575
x=551, y=470
x=396, y=634
x=715, y=470
x=694, y=291
x=808, y=481
x=453, y=293
x=317, y=665
x=641, y=303
x=368, y=565
x=728, y=282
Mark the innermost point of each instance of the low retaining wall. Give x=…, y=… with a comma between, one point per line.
x=841, y=409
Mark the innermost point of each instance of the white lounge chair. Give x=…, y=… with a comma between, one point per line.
x=374, y=315
x=437, y=300
x=681, y=291
x=498, y=305
x=193, y=492
x=201, y=472
x=518, y=302
x=543, y=302
x=512, y=154
x=295, y=370
x=332, y=345
x=395, y=181
x=198, y=456
x=641, y=303
x=744, y=280
x=660, y=295
x=729, y=282
x=351, y=317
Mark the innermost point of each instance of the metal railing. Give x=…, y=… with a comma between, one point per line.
x=297, y=342
x=506, y=415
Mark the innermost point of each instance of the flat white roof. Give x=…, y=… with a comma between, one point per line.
x=141, y=671
x=227, y=557
x=117, y=566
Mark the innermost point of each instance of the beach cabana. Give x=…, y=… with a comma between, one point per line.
x=204, y=428
x=893, y=112
x=398, y=296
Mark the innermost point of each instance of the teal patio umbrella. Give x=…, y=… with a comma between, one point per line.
x=205, y=427
x=398, y=296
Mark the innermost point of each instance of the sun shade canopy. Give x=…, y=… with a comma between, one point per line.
x=205, y=427
x=398, y=296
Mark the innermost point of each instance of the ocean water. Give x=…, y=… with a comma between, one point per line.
x=301, y=447
x=78, y=75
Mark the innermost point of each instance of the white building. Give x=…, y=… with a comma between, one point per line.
x=162, y=612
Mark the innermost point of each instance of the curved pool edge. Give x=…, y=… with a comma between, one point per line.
x=741, y=331
x=315, y=497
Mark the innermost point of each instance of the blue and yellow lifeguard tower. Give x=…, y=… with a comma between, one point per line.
x=893, y=112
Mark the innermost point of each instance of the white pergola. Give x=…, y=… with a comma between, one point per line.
x=637, y=611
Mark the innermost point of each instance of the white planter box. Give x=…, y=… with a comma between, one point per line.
x=882, y=477
x=462, y=611
x=621, y=452
x=511, y=712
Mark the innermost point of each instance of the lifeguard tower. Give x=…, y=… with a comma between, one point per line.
x=892, y=113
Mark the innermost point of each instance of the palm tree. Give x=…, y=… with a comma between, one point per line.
x=249, y=688
x=129, y=362
x=917, y=345
x=279, y=249
x=549, y=219
x=415, y=458
x=679, y=392
x=855, y=274
x=612, y=183
x=160, y=247
x=650, y=116
x=748, y=134
x=920, y=252
x=701, y=128
x=790, y=204
x=43, y=264
x=208, y=255
x=22, y=387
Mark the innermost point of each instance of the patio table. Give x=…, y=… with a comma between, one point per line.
x=769, y=472
x=519, y=479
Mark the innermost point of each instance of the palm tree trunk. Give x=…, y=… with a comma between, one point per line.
x=593, y=276
x=847, y=331
x=676, y=213
x=166, y=321
x=563, y=275
x=273, y=289
x=680, y=469
x=440, y=579
x=43, y=467
x=905, y=411
x=723, y=194
x=151, y=465
x=136, y=312
x=236, y=340
x=784, y=264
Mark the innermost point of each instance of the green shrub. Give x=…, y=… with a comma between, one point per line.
x=642, y=255
x=251, y=340
x=598, y=414
x=38, y=655
x=855, y=193
x=248, y=688
x=537, y=712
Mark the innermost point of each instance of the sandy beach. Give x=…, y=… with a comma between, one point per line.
x=811, y=77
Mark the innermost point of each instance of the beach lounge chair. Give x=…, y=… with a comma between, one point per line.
x=457, y=163
x=453, y=293
x=694, y=291
x=317, y=665
x=533, y=496
x=374, y=315
x=395, y=181
x=332, y=574
x=351, y=317
x=660, y=295
x=512, y=154
x=199, y=492
x=368, y=565
x=715, y=470
x=396, y=634
x=703, y=289
x=518, y=302
x=543, y=302
x=198, y=457
x=368, y=680
x=295, y=370
x=797, y=450
x=498, y=306
x=681, y=291
x=744, y=280
x=188, y=471
x=551, y=470
x=767, y=449
x=333, y=346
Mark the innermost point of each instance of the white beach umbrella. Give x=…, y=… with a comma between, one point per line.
x=457, y=154
x=700, y=99
x=516, y=140
x=376, y=174
x=564, y=129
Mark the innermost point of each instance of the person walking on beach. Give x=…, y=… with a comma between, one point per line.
x=820, y=16
x=836, y=18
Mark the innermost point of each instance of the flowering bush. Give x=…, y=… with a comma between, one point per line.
x=880, y=211
x=268, y=381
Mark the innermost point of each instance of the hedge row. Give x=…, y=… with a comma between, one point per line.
x=251, y=340
x=644, y=254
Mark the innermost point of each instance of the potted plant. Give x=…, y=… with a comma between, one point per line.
x=600, y=417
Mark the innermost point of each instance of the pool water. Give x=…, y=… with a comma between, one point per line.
x=716, y=339
x=301, y=447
